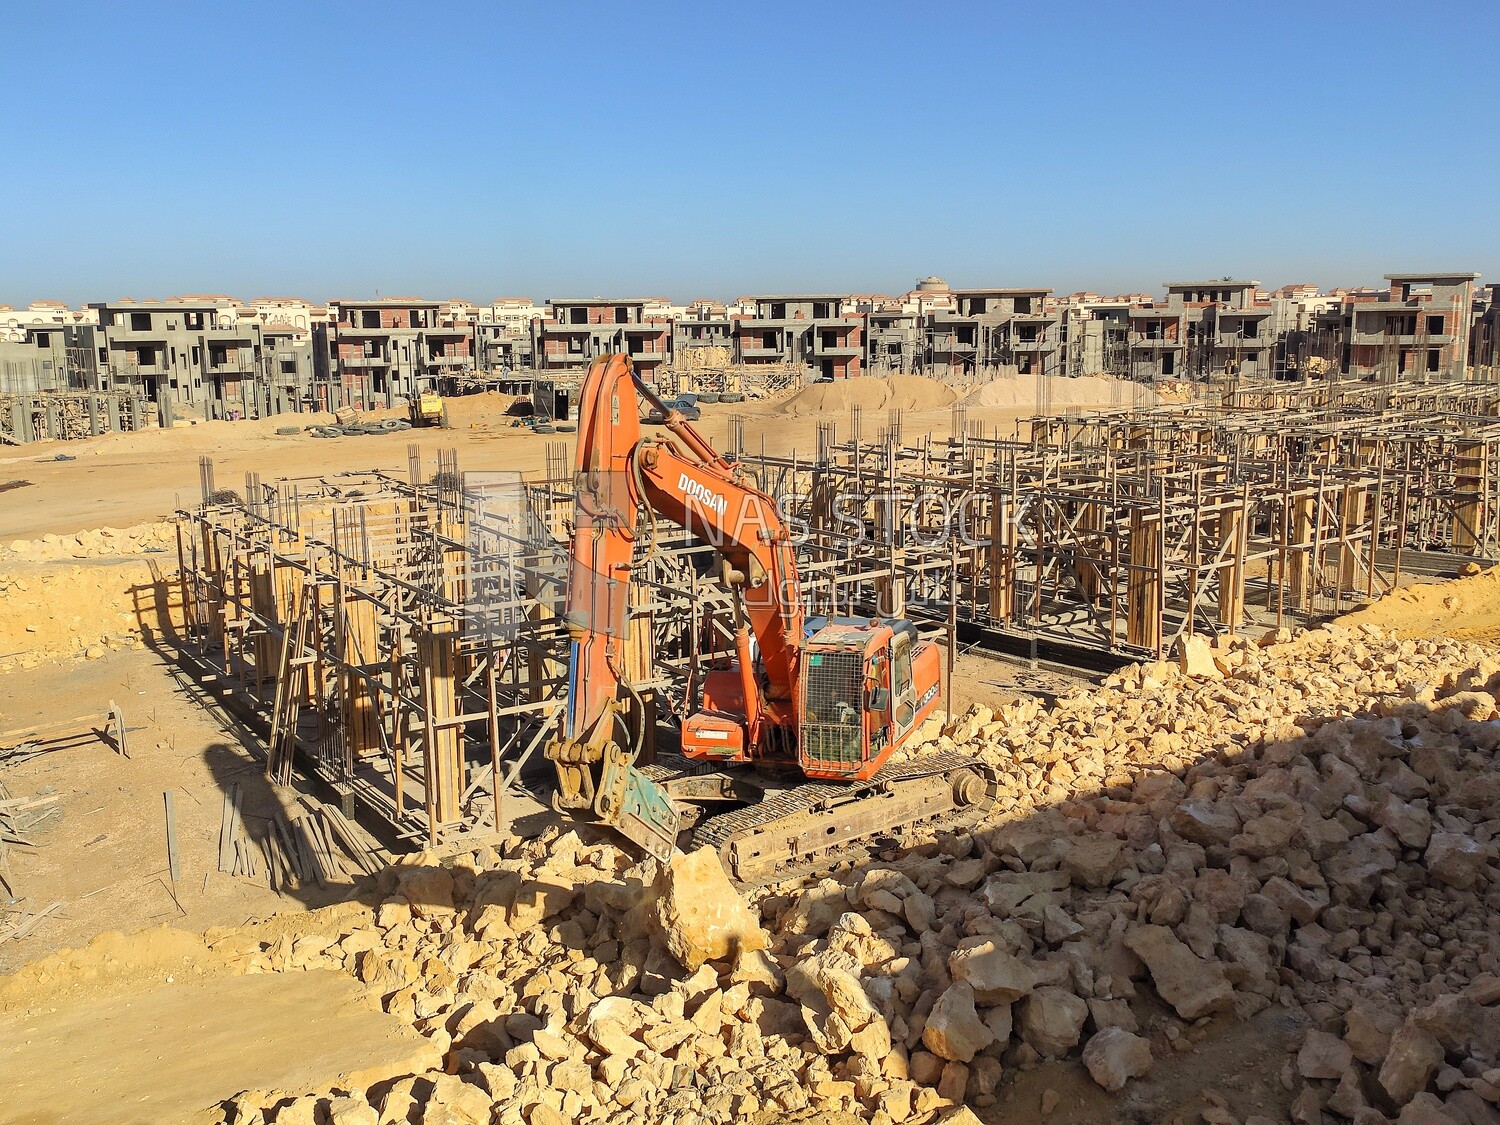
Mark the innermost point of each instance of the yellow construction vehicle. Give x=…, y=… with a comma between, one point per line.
x=427, y=409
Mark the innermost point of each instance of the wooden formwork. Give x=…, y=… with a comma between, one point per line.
x=1123, y=530
x=403, y=639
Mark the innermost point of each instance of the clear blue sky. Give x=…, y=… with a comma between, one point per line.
x=486, y=149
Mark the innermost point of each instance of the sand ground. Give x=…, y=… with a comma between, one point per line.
x=102, y=854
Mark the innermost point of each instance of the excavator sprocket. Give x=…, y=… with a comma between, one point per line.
x=808, y=828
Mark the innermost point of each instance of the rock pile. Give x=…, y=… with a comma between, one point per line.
x=95, y=543
x=1311, y=823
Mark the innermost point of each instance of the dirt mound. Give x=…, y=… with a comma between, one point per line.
x=907, y=393
x=1053, y=392
x=82, y=610
x=487, y=411
x=1468, y=608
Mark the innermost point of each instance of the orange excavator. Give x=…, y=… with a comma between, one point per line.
x=795, y=731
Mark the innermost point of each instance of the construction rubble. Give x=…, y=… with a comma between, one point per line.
x=1309, y=823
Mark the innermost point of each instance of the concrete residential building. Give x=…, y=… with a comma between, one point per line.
x=808, y=330
x=49, y=357
x=579, y=330
x=703, y=336
x=1157, y=341
x=287, y=355
x=503, y=334
x=1484, y=347
x=1095, y=336
x=1419, y=328
x=1226, y=330
x=42, y=314
x=895, y=343
x=185, y=350
x=996, y=328
x=374, y=352
x=293, y=312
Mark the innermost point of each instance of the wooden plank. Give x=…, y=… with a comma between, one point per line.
x=34, y=921
x=308, y=847
x=289, y=848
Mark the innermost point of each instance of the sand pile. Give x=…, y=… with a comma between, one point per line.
x=487, y=411
x=80, y=611
x=1309, y=823
x=1025, y=392
x=907, y=393
x=1468, y=608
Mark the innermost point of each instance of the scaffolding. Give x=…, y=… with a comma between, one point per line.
x=401, y=638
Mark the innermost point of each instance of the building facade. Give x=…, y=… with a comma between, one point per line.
x=813, y=332
x=577, y=331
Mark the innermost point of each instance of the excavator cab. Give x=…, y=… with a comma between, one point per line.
x=867, y=683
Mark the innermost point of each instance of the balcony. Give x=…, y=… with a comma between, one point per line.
x=1153, y=342
x=837, y=351
x=757, y=322
x=763, y=353
x=364, y=361
x=1380, y=339
x=121, y=332
x=137, y=371
x=1042, y=344
x=449, y=360
x=354, y=331
x=239, y=366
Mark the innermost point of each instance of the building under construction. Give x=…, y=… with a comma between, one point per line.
x=400, y=636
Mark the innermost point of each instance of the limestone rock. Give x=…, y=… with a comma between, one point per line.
x=351, y=1111
x=1368, y=1028
x=613, y=1022
x=1094, y=861
x=997, y=977
x=954, y=1030
x=1051, y=1021
x=1191, y=985
x=1205, y=822
x=1323, y=1056
x=1195, y=656
x=1411, y=1061
x=538, y=899
x=1456, y=860
x=1114, y=1056
x=429, y=890
x=835, y=1006
x=701, y=915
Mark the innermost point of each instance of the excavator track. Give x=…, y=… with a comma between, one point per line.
x=809, y=828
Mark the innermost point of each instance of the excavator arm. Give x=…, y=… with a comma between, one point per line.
x=622, y=478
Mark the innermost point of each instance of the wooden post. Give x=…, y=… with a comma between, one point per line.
x=443, y=747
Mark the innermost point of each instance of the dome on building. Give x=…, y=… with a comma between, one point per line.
x=933, y=284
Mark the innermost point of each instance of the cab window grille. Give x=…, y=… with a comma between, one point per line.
x=832, y=730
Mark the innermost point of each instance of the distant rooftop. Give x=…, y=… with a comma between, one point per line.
x=798, y=297
x=1214, y=283
x=403, y=302
x=1013, y=291
x=597, y=300
x=1435, y=275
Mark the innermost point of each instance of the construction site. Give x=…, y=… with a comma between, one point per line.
x=498, y=776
